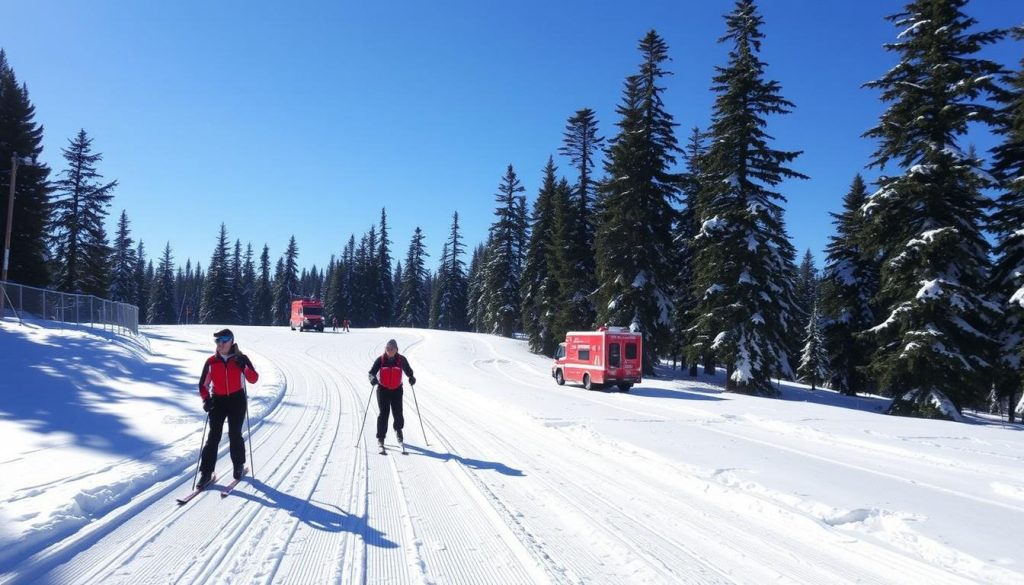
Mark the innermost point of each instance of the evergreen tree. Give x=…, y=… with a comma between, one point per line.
x=81, y=251
x=926, y=222
x=849, y=284
x=413, y=294
x=122, y=282
x=1008, y=272
x=689, y=346
x=247, y=293
x=286, y=283
x=744, y=262
x=538, y=270
x=449, y=294
x=218, y=301
x=27, y=263
x=142, y=283
x=162, y=309
x=385, y=294
x=264, y=313
x=506, y=244
x=633, y=241
x=576, y=274
x=813, y=367
x=476, y=303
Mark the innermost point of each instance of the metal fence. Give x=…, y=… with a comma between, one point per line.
x=25, y=302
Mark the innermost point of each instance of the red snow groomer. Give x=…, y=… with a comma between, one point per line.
x=307, y=314
x=610, y=356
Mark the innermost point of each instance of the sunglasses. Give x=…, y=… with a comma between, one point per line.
x=223, y=339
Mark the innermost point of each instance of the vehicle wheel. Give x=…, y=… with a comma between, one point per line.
x=559, y=378
x=586, y=382
x=625, y=387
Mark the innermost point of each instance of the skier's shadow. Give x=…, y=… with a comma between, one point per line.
x=326, y=517
x=471, y=463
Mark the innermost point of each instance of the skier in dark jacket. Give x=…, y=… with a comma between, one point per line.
x=386, y=374
x=222, y=388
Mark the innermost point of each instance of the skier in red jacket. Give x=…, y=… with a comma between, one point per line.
x=386, y=374
x=222, y=388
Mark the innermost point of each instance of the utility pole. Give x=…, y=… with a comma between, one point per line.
x=7, y=237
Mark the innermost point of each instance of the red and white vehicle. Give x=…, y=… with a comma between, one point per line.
x=307, y=314
x=606, y=357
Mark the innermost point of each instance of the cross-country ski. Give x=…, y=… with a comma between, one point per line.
x=195, y=492
x=227, y=489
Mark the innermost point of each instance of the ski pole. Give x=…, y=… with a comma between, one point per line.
x=248, y=430
x=365, y=410
x=201, y=441
x=416, y=402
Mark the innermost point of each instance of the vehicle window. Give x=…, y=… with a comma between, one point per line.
x=585, y=354
x=312, y=311
x=630, y=351
x=613, y=355
x=560, y=352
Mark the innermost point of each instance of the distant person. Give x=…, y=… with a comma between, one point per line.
x=345, y=325
x=334, y=324
x=386, y=374
x=222, y=388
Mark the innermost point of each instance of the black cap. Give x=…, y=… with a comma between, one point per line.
x=224, y=333
x=392, y=343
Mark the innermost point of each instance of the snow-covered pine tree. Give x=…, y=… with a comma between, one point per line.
x=412, y=294
x=633, y=241
x=934, y=341
x=123, y=264
x=218, y=302
x=805, y=291
x=162, y=303
x=80, y=249
x=504, y=267
x=575, y=273
x=813, y=368
x=744, y=262
x=537, y=269
x=1007, y=223
x=476, y=302
x=286, y=283
x=238, y=306
x=849, y=283
x=689, y=347
x=19, y=133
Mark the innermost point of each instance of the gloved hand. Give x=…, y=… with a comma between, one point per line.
x=241, y=361
x=412, y=380
x=373, y=380
x=208, y=404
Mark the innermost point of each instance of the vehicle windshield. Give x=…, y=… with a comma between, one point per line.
x=307, y=311
x=560, y=352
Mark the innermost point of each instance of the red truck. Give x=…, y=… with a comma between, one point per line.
x=307, y=314
x=610, y=356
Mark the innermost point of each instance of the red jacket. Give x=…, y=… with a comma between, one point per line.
x=225, y=377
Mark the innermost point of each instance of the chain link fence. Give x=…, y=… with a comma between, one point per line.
x=24, y=302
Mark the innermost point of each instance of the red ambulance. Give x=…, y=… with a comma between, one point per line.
x=307, y=314
x=610, y=356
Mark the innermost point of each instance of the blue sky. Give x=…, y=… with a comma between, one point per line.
x=306, y=118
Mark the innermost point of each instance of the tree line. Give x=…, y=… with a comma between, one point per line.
x=921, y=296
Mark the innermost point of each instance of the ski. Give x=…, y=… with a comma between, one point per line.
x=227, y=489
x=196, y=492
x=402, y=447
x=383, y=451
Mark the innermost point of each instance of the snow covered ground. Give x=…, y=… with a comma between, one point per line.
x=517, y=480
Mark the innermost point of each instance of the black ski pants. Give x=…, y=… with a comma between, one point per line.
x=389, y=401
x=232, y=408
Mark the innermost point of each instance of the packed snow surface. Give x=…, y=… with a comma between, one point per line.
x=510, y=478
